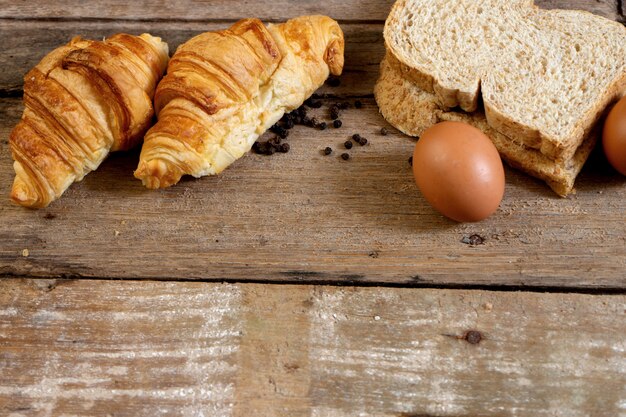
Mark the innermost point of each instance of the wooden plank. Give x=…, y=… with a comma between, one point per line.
x=304, y=216
x=95, y=348
x=25, y=43
x=193, y=10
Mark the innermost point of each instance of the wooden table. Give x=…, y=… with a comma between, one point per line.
x=300, y=284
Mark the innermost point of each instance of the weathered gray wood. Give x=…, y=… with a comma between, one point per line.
x=304, y=216
x=345, y=10
x=95, y=348
x=25, y=43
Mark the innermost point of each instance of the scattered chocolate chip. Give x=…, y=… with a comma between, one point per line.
x=411, y=160
x=356, y=137
x=333, y=82
x=473, y=240
x=358, y=104
x=274, y=141
x=302, y=111
x=289, y=123
x=384, y=131
x=323, y=126
x=284, y=148
x=473, y=337
x=328, y=150
x=334, y=112
x=314, y=104
x=337, y=124
x=347, y=144
x=315, y=122
x=345, y=156
x=362, y=141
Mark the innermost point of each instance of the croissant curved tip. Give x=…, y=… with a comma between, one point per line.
x=24, y=195
x=157, y=173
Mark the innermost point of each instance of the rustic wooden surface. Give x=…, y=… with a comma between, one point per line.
x=169, y=348
x=118, y=343
x=299, y=216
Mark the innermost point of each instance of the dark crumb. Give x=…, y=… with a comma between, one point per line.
x=289, y=123
x=473, y=337
x=473, y=240
x=334, y=112
x=323, y=126
x=411, y=160
x=356, y=137
x=274, y=141
x=358, y=104
x=347, y=144
x=345, y=156
x=362, y=141
x=49, y=216
x=337, y=124
x=373, y=254
x=328, y=150
x=333, y=82
x=312, y=103
x=384, y=131
x=284, y=148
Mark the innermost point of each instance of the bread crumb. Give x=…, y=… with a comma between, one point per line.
x=25, y=253
x=376, y=318
x=117, y=233
x=123, y=221
x=488, y=306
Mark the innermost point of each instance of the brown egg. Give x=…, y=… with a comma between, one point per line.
x=614, y=136
x=459, y=171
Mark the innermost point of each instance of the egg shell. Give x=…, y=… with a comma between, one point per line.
x=459, y=171
x=614, y=136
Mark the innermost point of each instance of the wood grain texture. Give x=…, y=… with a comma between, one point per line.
x=304, y=216
x=196, y=10
x=95, y=348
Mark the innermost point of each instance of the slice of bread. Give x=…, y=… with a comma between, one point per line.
x=545, y=76
x=412, y=110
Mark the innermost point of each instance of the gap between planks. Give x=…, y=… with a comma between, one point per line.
x=53, y=282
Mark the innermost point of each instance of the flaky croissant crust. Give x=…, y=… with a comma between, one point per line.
x=223, y=89
x=82, y=100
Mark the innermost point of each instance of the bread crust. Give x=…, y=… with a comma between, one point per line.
x=559, y=149
x=412, y=110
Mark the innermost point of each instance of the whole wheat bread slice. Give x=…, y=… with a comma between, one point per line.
x=545, y=76
x=412, y=110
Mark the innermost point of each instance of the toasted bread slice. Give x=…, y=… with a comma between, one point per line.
x=412, y=110
x=545, y=76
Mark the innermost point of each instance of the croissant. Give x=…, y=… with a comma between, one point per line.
x=82, y=101
x=224, y=89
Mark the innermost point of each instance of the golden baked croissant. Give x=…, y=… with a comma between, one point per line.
x=224, y=89
x=82, y=100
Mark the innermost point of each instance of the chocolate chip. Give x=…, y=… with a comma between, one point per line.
x=345, y=156
x=284, y=148
x=323, y=126
x=358, y=104
x=333, y=82
x=274, y=141
x=356, y=137
x=347, y=144
x=334, y=112
x=289, y=123
x=328, y=150
x=473, y=337
x=337, y=124
x=362, y=141
x=384, y=131
x=302, y=111
x=312, y=103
